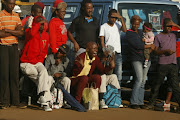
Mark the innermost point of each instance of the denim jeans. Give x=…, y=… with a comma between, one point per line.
x=118, y=68
x=140, y=73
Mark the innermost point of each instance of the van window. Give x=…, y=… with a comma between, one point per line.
x=153, y=13
x=46, y=11
x=70, y=13
x=98, y=11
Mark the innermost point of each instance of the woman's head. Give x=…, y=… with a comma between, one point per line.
x=135, y=22
x=147, y=27
x=167, y=26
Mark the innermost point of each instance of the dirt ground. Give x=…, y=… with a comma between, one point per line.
x=105, y=114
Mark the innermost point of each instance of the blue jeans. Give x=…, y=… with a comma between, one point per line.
x=118, y=68
x=140, y=73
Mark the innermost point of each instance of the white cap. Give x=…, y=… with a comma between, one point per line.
x=17, y=9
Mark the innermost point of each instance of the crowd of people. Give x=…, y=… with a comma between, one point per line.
x=41, y=54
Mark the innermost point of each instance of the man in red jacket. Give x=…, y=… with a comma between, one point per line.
x=83, y=69
x=33, y=55
x=57, y=29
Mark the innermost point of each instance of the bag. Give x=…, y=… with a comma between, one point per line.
x=57, y=98
x=112, y=97
x=90, y=97
x=70, y=99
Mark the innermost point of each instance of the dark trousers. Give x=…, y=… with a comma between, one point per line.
x=9, y=75
x=171, y=71
x=78, y=84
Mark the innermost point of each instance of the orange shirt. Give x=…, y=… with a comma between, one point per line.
x=9, y=21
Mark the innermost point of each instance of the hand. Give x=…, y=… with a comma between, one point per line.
x=57, y=75
x=117, y=15
x=112, y=61
x=152, y=46
x=76, y=47
x=143, y=39
x=57, y=62
x=43, y=21
x=169, y=52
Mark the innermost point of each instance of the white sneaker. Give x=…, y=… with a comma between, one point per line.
x=56, y=107
x=47, y=108
x=121, y=106
x=42, y=101
x=166, y=105
x=102, y=104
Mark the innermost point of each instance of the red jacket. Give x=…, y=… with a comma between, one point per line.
x=96, y=64
x=36, y=44
x=57, y=34
x=177, y=42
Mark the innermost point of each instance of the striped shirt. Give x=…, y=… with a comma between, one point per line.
x=9, y=21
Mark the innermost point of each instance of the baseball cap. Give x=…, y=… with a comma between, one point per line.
x=63, y=49
x=17, y=9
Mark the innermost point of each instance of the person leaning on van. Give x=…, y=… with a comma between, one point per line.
x=85, y=26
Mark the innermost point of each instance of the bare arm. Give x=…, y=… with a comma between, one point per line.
x=102, y=41
x=17, y=32
x=4, y=34
x=166, y=52
x=71, y=38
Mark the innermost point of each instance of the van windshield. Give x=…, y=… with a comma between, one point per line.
x=153, y=13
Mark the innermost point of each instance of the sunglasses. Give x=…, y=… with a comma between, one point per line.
x=169, y=26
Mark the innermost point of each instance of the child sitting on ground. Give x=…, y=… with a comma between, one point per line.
x=148, y=39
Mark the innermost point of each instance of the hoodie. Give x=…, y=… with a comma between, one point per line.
x=36, y=44
x=57, y=34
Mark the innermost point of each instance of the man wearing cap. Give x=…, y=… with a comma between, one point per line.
x=10, y=29
x=85, y=26
x=56, y=65
x=57, y=29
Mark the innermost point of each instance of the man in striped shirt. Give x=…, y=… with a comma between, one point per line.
x=10, y=29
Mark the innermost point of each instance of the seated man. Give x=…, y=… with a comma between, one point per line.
x=56, y=65
x=33, y=55
x=83, y=69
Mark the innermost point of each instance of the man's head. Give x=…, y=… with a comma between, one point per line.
x=62, y=51
x=9, y=5
x=36, y=10
x=91, y=49
x=167, y=26
x=135, y=21
x=87, y=8
x=111, y=19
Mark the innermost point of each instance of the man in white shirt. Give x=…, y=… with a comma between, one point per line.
x=110, y=35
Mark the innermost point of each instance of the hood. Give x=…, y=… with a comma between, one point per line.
x=34, y=22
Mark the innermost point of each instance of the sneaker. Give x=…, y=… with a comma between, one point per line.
x=135, y=107
x=102, y=104
x=150, y=106
x=56, y=107
x=121, y=106
x=42, y=101
x=146, y=63
x=66, y=106
x=167, y=105
x=144, y=107
x=47, y=108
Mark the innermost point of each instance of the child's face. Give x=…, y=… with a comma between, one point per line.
x=42, y=25
x=145, y=30
x=37, y=12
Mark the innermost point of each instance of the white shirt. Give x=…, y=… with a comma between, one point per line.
x=112, y=35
